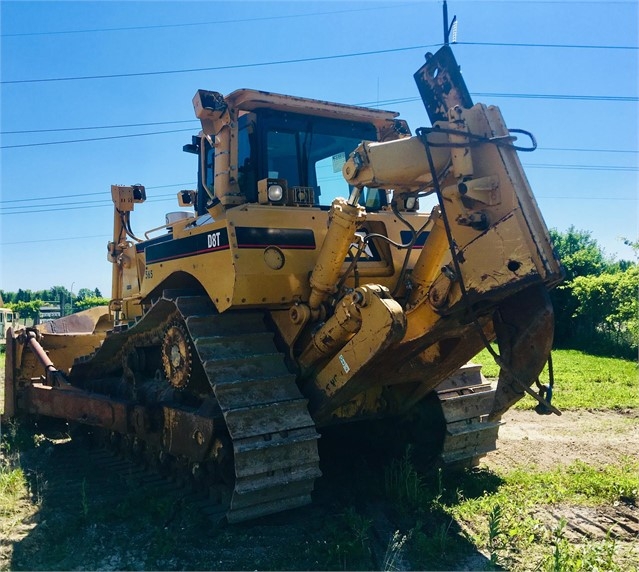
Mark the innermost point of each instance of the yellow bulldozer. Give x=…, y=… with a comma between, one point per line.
x=303, y=287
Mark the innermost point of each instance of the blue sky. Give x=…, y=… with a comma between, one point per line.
x=55, y=210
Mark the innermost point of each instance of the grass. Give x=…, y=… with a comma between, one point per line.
x=507, y=521
x=15, y=504
x=442, y=518
x=523, y=489
x=502, y=515
x=13, y=492
x=590, y=556
x=582, y=381
x=2, y=359
x=403, y=484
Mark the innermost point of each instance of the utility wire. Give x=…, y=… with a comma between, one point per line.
x=396, y=101
x=554, y=46
x=577, y=97
x=94, y=139
x=28, y=209
x=489, y=95
x=570, y=149
x=581, y=149
x=581, y=167
x=65, y=208
x=559, y=96
x=579, y=198
x=602, y=198
x=105, y=236
x=299, y=60
x=21, y=242
x=194, y=24
x=218, y=68
x=89, y=204
x=24, y=131
x=122, y=126
x=31, y=199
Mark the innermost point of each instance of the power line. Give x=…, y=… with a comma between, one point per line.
x=385, y=102
x=31, y=199
x=581, y=167
x=581, y=149
x=28, y=209
x=580, y=198
x=94, y=139
x=554, y=46
x=22, y=132
x=64, y=208
x=303, y=60
x=91, y=139
x=193, y=24
x=89, y=204
x=218, y=68
x=21, y=242
x=559, y=96
x=602, y=198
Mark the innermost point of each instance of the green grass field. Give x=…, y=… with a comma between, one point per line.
x=582, y=381
x=442, y=519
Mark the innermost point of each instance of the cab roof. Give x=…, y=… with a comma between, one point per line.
x=251, y=99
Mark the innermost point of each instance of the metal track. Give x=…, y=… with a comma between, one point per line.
x=273, y=435
x=246, y=399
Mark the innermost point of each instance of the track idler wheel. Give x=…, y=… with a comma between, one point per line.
x=177, y=355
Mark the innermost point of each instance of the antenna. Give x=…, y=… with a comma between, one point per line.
x=449, y=29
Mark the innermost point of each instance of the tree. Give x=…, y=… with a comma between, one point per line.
x=580, y=255
x=85, y=293
x=27, y=302
x=7, y=297
x=26, y=310
x=608, y=306
x=89, y=302
x=594, y=305
x=23, y=296
x=579, y=252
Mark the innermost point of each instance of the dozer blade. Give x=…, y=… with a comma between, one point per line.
x=61, y=341
x=524, y=325
x=9, y=409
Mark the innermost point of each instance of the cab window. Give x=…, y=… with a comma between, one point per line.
x=310, y=151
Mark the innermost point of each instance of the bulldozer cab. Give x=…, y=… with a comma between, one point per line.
x=297, y=146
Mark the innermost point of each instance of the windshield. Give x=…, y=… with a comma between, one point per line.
x=310, y=151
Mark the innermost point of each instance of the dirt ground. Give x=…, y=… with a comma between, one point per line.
x=289, y=540
x=594, y=437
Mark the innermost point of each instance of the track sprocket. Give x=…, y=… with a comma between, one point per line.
x=177, y=355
